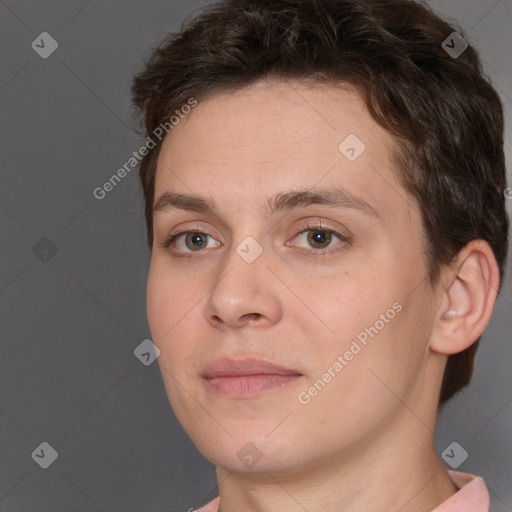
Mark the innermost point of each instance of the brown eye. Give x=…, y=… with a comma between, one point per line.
x=196, y=240
x=319, y=238
x=320, y=241
x=188, y=242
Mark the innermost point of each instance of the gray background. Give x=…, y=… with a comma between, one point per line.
x=69, y=325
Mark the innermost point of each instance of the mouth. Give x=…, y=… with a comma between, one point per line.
x=247, y=378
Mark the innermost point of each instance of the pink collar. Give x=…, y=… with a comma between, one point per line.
x=472, y=496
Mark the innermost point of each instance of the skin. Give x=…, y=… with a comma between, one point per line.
x=366, y=440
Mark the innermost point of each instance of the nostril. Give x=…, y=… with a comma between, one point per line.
x=253, y=315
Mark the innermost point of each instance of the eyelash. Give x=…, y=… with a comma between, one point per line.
x=312, y=227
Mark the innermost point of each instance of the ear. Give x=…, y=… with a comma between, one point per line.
x=469, y=291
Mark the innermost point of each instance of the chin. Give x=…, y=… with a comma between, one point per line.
x=251, y=451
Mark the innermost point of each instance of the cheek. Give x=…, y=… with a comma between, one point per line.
x=169, y=304
x=376, y=323
x=352, y=303
x=159, y=305
x=172, y=310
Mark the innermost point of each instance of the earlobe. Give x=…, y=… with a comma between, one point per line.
x=468, y=300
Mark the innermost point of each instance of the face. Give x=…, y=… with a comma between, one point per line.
x=291, y=306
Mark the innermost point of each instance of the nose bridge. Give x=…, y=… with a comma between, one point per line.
x=241, y=291
x=249, y=250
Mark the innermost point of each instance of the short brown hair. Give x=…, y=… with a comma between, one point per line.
x=443, y=113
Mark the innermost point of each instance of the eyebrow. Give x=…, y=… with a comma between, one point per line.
x=284, y=201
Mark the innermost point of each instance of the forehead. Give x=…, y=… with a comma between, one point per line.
x=281, y=135
x=283, y=115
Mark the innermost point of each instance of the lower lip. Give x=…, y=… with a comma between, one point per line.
x=244, y=386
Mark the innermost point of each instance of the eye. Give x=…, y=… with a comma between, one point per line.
x=319, y=238
x=190, y=241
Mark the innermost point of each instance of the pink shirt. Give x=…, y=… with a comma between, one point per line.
x=471, y=497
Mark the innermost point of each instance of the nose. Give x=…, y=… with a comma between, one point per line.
x=244, y=294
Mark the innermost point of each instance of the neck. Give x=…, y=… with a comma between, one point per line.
x=385, y=476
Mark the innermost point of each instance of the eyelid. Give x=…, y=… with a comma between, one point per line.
x=320, y=226
x=176, y=234
x=309, y=225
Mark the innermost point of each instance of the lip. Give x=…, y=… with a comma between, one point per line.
x=249, y=377
x=226, y=367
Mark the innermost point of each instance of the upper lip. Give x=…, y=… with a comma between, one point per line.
x=226, y=367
